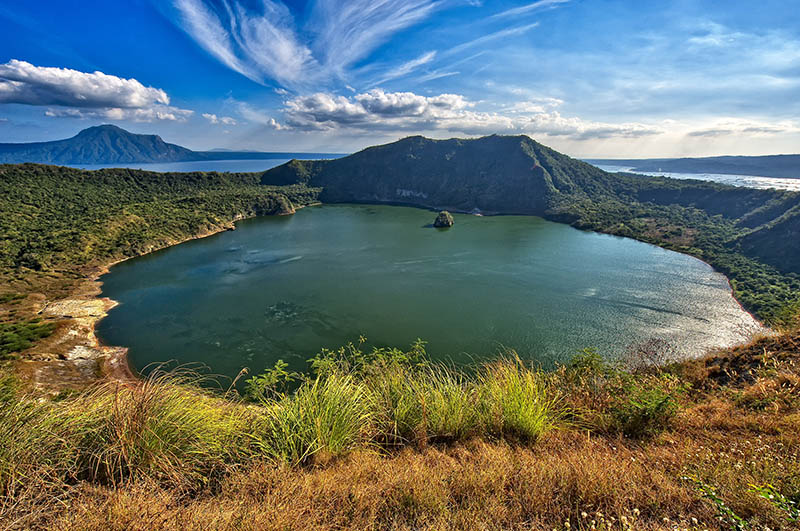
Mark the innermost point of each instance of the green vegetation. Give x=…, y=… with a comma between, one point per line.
x=11, y=297
x=15, y=337
x=384, y=438
x=62, y=218
x=683, y=216
x=172, y=428
x=444, y=219
x=102, y=144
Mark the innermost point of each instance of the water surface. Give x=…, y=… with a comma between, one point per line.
x=235, y=166
x=748, y=181
x=284, y=287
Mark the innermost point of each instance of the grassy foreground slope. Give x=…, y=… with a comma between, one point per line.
x=750, y=235
x=385, y=440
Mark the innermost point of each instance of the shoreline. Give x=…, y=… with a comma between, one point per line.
x=116, y=365
x=112, y=361
x=74, y=356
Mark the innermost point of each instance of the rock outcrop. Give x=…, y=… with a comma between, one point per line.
x=444, y=219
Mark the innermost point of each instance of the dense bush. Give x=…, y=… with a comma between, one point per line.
x=15, y=337
x=643, y=409
x=54, y=216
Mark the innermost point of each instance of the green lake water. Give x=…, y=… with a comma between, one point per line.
x=284, y=287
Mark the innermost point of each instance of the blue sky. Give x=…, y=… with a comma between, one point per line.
x=595, y=78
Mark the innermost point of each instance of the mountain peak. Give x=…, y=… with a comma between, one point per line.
x=113, y=130
x=492, y=174
x=100, y=144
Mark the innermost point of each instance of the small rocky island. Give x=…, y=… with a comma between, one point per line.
x=444, y=219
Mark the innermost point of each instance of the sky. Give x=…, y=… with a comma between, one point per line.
x=590, y=78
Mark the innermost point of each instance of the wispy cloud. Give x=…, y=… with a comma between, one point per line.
x=406, y=68
x=348, y=30
x=255, y=115
x=748, y=128
x=508, y=32
x=84, y=94
x=260, y=44
x=530, y=8
x=266, y=44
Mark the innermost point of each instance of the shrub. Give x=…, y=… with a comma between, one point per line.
x=642, y=408
x=272, y=382
x=331, y=415
x=516, y=402
x=15, y=337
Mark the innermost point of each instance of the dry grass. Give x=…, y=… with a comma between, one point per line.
x=737, y=425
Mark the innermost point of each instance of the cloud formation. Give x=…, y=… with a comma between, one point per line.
x=377, y=110
x=263, y=41
x=746, y=127
x=214, y=119
x=83, y=94
x=407, y=67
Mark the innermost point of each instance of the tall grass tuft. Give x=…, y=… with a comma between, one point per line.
x=516, y=401
x=163, y=427
x=328, y=415
x=424, y=403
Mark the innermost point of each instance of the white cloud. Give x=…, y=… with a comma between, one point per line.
x=256, y=116
x=256, y=43
x=214, y=119
x=22, y=82
x=151, y=114
x=749, y=128
x=83, y=94
x=530, y=8
x=509, y=32
x=348, y=30
x=378, y=110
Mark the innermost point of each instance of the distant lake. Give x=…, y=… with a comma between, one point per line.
x=234, y=166
x=749, y=181
x=285, y=287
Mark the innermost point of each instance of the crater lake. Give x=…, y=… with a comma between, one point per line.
x=285, y=287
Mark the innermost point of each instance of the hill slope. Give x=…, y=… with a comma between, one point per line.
x=495, y=174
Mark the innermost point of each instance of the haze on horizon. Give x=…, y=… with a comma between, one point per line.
x=611, y=79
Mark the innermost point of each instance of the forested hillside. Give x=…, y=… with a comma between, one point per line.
x=56, y=217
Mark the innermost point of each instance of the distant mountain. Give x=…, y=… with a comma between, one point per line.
x=108, y=144
x=103, y=144
x=782, y=166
